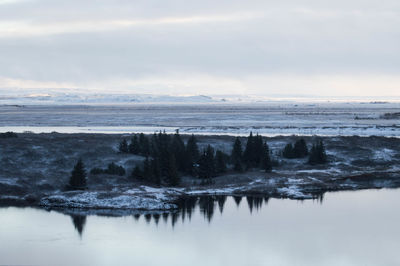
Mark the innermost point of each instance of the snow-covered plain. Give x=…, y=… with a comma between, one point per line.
x=265, y=118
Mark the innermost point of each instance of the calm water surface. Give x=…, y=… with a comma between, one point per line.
x=346, y=228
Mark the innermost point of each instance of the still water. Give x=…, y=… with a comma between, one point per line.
x=344, y=228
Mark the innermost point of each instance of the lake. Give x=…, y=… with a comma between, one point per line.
x=342, y=228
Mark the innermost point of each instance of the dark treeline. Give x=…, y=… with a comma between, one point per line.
x=168, y=157
x=112, y=169
x=298, y=150
x=316, y=155
x=8, y=134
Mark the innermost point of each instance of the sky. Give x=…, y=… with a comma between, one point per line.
x=176, y=47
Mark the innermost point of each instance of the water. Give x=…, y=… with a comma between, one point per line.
x=345, y=228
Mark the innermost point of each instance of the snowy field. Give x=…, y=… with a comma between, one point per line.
x=265, y=118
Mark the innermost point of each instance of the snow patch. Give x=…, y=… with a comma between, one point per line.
x=293, y=192
x=94, y=200
x=384, y=155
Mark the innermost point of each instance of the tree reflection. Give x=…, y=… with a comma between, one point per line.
x=237, y=199
x=250, y=202
x=156, y=218
x=79, y=222
x=207, y=207
x=221, y=203
x=188, y=206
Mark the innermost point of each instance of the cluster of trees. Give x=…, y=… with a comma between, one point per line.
x=112, y=169
x=298, y=150
x=167, y=156
x=256, y=154
x=139, y=145
x=317, y=154
x=8, y=134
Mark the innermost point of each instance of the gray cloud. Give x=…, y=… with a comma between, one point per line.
x=240, y=44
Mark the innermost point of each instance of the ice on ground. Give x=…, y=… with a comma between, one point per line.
x=211, y=191
x=329, y=170
x=293, y=192
x=384, y=154
x=94, y=200
x=9, y=181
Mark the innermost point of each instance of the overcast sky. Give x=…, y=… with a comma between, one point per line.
x=287, y=47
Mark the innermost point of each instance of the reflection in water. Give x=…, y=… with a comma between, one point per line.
x=79, y=222
x=344, y=230
x=237, y=199
x=187, y=206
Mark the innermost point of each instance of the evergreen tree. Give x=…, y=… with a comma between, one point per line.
x=254, y=151
x=249, y=150
x=155, y=166
x=179, y=150
x=258, y=150
x=192, y=154
x=113, y=169
x=137, y=173
x=123, y=146
x=172, y=175
x=134, y=147
x=78, y=176
x=266, y=163
x=207, y=164
x=144, y=145
x=220, y=162
x=147, y=170
x=317, y=154
x=288, y=151
x=236, y=155
x=300, y=149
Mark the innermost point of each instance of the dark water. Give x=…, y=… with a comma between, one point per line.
x=345, y=228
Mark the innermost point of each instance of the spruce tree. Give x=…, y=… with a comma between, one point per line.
x=147, y=171
x=134, y=147
x=178, y=149
x=155, y=166
x=114, y=169
x=220, y=162
x=300, y=149
x=288, y=151
x=266, y=163
x=144, y=145
x=123, y=146
x=172, y=174
x=78, y=176
x=317, y=154
x=249, y=150
x=137, y=173
x=192, y=154
x=236, y=156
x=258, y=151
x=207, y=164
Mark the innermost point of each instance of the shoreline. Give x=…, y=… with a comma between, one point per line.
x=36, y=167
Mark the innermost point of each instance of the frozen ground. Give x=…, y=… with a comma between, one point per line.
x=36, y=168
x=266, y=118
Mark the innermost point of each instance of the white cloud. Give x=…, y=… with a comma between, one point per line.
x=349, y=47
x=26, y=29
